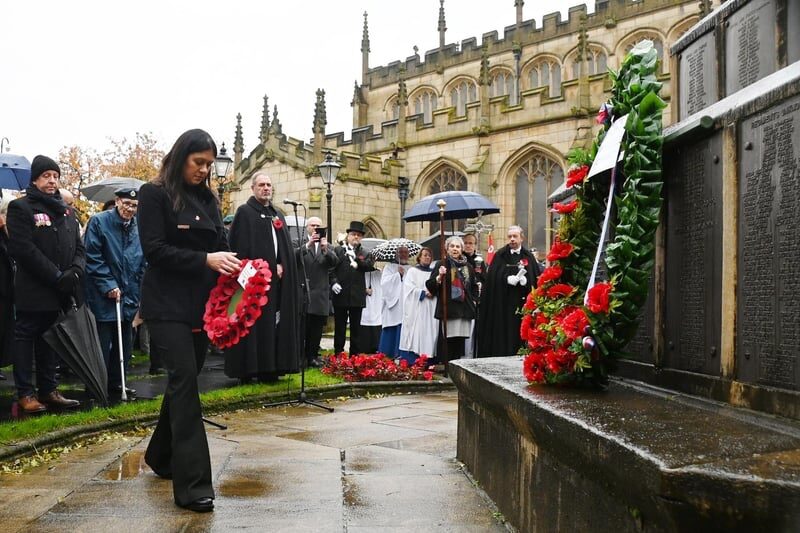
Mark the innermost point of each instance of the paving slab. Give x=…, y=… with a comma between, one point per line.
x=383, y=464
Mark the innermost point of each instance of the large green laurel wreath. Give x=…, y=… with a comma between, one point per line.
x=571, y=334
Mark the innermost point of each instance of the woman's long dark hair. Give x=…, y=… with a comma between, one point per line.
x=171, y=174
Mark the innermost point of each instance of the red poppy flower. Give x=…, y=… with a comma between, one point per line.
x=560, y=290
x=559, y=250
x=598, y=298
x=277, y=223
x=523, y=262
x=549, y=274
x=577, y=174
x=563, y=209
x=530, y=303
x=574, y=323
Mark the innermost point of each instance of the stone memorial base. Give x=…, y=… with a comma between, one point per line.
x=632, y=458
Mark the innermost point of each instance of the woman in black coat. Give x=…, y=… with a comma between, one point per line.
x=461, y=286
x=184, y=244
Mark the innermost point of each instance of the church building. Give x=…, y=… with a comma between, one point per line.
x=495, y=116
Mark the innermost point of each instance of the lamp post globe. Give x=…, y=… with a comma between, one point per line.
x=222, y=165
x=328, y=170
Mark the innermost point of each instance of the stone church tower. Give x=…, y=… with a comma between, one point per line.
x=496, y=116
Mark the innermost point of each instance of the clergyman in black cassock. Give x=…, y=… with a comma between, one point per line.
x=272, y=347
x=504, y=291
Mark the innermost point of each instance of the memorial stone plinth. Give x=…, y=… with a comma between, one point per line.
x=631, y=458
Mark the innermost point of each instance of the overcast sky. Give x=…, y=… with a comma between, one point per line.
x=78, y=72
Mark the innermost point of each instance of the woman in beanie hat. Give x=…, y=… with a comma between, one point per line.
x=44, y=240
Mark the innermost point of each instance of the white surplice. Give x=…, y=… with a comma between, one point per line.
x=420, y=328
x=392, y=289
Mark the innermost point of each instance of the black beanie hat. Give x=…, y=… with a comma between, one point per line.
x=41, y=164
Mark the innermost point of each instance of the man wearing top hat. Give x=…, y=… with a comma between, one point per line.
x=114, y=268
x=349, y=288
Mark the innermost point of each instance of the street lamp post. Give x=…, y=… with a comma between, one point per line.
x=328, y=170
x=222, y=164
x=4, y=142
x=402, y=193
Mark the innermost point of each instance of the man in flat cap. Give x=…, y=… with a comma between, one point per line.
x=44, y=241
x=114, y=267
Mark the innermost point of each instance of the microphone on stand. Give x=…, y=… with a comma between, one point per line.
x=291, y=202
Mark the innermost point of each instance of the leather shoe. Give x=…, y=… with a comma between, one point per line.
x=118, y=390
x=56, y=399
x=31, y=405
x=200, y=505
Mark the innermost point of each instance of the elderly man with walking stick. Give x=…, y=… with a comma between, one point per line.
x=114, y=266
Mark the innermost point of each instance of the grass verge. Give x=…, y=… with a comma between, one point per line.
x=15, y=431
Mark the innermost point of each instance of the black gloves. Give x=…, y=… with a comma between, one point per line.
x=68, y=281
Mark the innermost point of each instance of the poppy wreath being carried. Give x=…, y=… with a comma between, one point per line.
x=230, y=310
x=572, y=333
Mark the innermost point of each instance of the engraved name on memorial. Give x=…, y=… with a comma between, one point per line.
x=768, y=321
x=694, y=257
x=698, y=76
x=749, y=45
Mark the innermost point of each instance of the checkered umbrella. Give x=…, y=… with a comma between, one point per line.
x=388, y=250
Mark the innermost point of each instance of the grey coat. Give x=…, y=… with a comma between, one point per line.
x=317, y=267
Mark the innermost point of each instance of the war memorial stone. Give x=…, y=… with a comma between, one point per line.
x=668, y=446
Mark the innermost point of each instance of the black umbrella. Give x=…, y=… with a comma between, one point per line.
x=74, y=337
x=460, y=204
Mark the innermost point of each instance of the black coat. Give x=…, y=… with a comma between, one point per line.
x=317, y=267
x=268, y=348
x=455, y=308
x=498, y=321
x=6, y=301
x=177, y=281
x=44, y=243
x=354, y=288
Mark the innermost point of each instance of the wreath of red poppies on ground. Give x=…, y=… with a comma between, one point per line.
x=226, y=330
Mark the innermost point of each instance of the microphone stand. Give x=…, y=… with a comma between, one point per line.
x=302, y=398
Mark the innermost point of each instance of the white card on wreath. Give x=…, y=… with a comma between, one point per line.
x=245, y=275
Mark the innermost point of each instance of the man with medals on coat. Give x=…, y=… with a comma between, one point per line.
x=508, y=282
x=272, y=348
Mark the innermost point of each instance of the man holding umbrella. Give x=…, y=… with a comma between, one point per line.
x=114, y=266
x=44, y=241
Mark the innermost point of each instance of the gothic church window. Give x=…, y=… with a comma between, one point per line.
x=461, y=94
x=447, y=179
x=425, y=103
x=596, y=62
x=536, y=179
x=546, y=73
x=392, y=109
x=502, y=84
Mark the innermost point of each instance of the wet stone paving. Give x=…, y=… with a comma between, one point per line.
x=381, y=464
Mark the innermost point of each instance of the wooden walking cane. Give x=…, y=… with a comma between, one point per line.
x=442, y=204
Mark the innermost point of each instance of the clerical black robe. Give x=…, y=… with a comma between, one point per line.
x=273, y=345
x=498, y=321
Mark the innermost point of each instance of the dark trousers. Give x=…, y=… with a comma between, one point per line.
x=109, y=343
x=179, y=446
x=340, y=315
x=29, y=345
x=314, y=326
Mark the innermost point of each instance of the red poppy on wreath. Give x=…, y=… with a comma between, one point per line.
x=560, y=290
x=574, y=323
x=559, y=250
x=223, y=329
x=567, y=208
x=549, y=274
x=530, y=303
x=597, y=298
x=277, y=223
x=577, y=174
